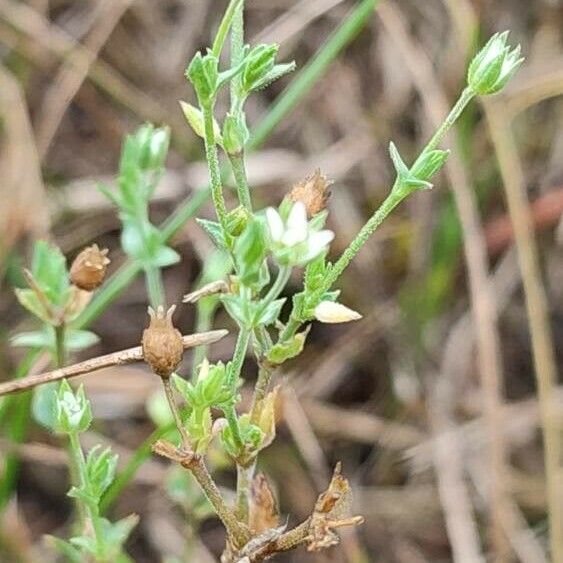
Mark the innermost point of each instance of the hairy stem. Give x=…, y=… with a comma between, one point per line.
x=60, y=353
x=155, y=287
x=225, y=25
x=90, y=509
x=238, y=533
x=170, y=397
x=244, y=478
x=213, y=165
x=241, y=181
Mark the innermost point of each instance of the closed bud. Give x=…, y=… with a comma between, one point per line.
x=89, y=268
x=195, y=119
x=73, y=412
x=163, y=348
x=312, y=192
x=235, y=133
x=237, y=220
x=155, y=149
x=330, y=312
x=493, y=65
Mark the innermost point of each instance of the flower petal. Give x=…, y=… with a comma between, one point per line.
x=275, y=224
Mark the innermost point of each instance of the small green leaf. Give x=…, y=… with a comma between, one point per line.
x=43, y=405
x=214, y=230
x=283, y=351
x=236, y=308
x=50, y=272
x=271, y=313
x=29, y=300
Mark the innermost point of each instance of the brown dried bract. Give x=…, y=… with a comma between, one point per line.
x=263, y=511
x=89, y=268
x=312, y=192
x=331, y=512
x=162, y=343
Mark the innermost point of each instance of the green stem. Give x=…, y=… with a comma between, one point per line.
x=238, y=358
x=244, y=479
x=224, y=26
x=241, y=181
x=90, y=508
x=59, y=357
x=277, y=287
x=465, y=97
x=155, y=287
x=361, y=238
x=169, y=392
x=213, y=164
x=265, y=373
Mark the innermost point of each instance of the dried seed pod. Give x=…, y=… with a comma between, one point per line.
x=89, y=268
x=162, y=343
x=312, y=192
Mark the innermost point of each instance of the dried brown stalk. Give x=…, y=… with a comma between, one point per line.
x=123, y=357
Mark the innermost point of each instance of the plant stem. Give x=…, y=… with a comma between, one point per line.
x=213, y=165
x=265, y=373
x=465, y=97
x=90, y=508
x=238, y=358
x=244, y=478
x=390, y=202
x=155, y=287
x=241, y=181
x=236, y=530
x=170, y=397
x=233, y=377
x=277, y=287
x=59, y=358
x=225, y=25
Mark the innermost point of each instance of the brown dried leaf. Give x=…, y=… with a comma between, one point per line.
x=332, y=510
x=263, y=511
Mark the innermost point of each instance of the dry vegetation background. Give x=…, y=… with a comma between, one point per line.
x=409, y=397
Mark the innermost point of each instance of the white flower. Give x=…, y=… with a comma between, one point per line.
x=295, y=241
x=330, y=312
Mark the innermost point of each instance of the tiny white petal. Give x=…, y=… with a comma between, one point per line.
x=275, y=224
x=317, y=243
x=296, y=228
x=329, y=312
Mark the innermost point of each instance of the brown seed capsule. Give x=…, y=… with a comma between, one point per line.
x=89, y=268
x=162, y=343
x=312, y=192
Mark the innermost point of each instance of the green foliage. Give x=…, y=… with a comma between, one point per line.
x=140, y=169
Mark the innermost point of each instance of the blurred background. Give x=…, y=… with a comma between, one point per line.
x=431, y=399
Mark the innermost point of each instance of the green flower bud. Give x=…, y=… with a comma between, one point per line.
x=493, y=66
x=203, y=73
x=235, y=133
x=195, y=119
x=237, y=220
x=73, y=411
x=153, y=147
